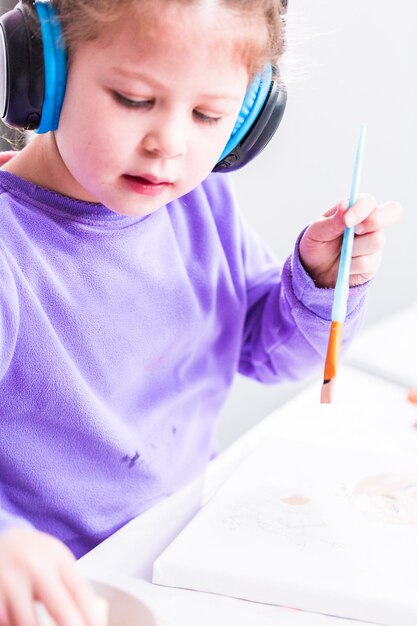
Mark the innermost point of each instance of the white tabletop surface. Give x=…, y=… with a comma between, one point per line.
x=378, y=409
x=389, y=348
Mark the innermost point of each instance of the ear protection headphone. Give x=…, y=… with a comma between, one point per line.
x=33, y=74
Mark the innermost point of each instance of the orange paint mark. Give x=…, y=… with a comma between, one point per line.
x=412, y=396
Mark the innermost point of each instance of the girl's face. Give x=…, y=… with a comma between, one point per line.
x=149, y=108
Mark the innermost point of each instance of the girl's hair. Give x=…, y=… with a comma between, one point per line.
x=261, y=41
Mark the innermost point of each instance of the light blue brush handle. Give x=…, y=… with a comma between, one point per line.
x=341, y=290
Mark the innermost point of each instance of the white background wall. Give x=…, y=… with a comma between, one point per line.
x=348, y=62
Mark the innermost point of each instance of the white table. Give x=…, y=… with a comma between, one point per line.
x=389, y=348
x=126, y=558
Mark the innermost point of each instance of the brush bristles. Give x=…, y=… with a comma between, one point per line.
x=327, y=390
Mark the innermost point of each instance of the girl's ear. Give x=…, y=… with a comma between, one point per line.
x=32, y=67
x=257, y=122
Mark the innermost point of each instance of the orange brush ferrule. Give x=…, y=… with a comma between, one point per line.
x=333, y=350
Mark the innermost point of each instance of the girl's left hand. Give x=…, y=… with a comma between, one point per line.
x=321, y=243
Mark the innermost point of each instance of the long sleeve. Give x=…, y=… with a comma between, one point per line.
x=287, y=325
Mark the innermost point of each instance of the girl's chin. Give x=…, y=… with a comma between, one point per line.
x=135, y=208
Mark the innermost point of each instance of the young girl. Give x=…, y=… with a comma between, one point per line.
x=132, y=290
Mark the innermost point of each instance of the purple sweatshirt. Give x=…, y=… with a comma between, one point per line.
x=119, y=340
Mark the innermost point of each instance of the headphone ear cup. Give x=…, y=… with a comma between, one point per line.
x=258, y=120
x=21, y=70
x=55, y=66
x=33, y=68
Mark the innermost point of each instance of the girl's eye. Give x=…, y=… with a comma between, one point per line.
x=133, y=104
x=206, y=119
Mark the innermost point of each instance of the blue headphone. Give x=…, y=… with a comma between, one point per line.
x=33, y=72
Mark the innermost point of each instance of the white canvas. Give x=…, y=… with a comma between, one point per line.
x=318, y=527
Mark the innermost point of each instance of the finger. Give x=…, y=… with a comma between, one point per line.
x=3, y=613
x=341, y=206
x=371, y=243
x=15, y=597
x=83, y=595
x=365, y=265
x=20, y=610
x=59, y=603
x=330, y=226
x=359, y=211
x=385, y=215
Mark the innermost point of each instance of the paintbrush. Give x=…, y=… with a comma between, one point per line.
x=341, y=290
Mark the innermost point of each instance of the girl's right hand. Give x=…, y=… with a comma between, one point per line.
x=38, y=567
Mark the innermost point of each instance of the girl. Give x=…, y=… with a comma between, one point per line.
x=132, y=290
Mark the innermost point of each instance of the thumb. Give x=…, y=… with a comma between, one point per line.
x=332, y=225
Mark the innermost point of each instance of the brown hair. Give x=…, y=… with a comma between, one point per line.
x=261, y=41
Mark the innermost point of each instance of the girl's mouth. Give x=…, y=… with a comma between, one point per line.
x=146, y=186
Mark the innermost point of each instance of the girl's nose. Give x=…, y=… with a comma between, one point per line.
x=167, y=141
